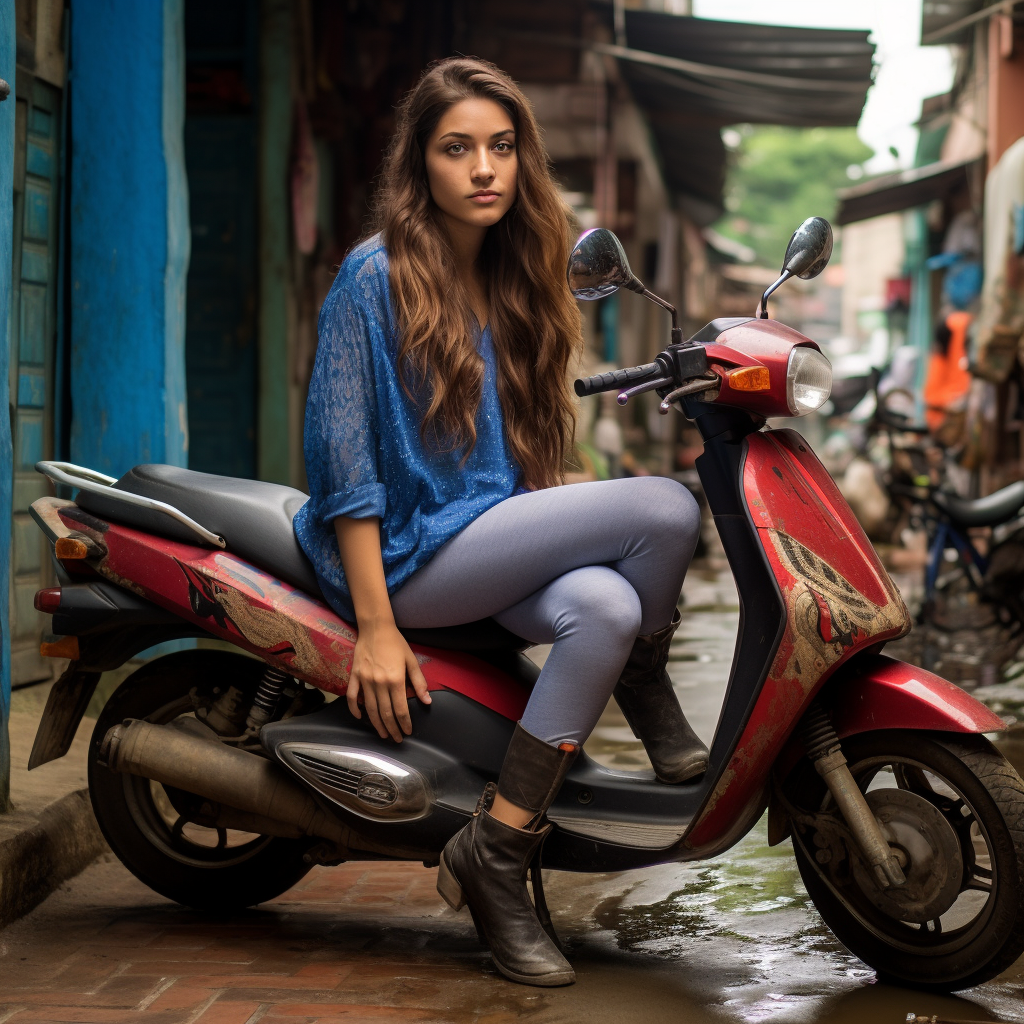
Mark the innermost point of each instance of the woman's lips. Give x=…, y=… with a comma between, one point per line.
x=485, y=197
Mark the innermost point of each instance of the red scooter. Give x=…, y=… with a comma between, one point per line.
x=220, y=774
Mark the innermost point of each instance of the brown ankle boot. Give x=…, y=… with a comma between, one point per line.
x=485, y=865
x=645, y=695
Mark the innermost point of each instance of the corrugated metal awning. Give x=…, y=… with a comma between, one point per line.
x=904, y=190
x=731, y=72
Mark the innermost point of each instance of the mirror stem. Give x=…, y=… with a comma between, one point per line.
x=762, y=308
x=636, y=286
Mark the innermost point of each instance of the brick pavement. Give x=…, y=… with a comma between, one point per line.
x=363, y=942
x=294, y=961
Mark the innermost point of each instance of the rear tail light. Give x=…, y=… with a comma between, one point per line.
x=808, y=380
x=48, y=600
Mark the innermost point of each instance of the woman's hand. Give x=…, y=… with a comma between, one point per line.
x=382, y=659
x=380, y=663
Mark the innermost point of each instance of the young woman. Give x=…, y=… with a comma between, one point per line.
x=439, y=417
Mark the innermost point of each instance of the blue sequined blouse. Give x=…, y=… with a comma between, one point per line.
x=364, y=455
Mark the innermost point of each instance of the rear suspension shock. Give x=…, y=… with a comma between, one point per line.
x=265, y=702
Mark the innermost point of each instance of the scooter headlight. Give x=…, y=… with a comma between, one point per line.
x=808, y=380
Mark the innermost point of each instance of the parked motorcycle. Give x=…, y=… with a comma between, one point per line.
x=219, y=776
x=964, y=587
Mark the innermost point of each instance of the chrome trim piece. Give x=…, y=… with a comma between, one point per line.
x=623, y=833
x=369, y=785
x=99, y=483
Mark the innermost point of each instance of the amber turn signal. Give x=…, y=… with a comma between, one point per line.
x=60, y=647
x=749, y=378
x=70, y=549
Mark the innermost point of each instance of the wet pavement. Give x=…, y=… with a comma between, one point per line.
x=729, y=940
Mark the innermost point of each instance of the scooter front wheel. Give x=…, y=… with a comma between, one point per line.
x=953, y=809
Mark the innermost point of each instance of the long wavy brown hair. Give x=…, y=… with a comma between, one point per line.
x=534, y=320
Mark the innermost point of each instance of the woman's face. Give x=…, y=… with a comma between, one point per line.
x=472, y=164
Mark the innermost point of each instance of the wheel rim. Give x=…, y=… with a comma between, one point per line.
x=978, y=882
x=171, y=830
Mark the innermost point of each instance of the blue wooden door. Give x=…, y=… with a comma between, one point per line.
x=32, y=339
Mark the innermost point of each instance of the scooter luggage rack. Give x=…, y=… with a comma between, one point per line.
x=99, y=483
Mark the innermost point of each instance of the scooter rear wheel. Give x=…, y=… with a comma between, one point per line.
x=962, y=922
x=204, y=868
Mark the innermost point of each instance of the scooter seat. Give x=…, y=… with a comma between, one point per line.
x=991, y=510
x=255, y=519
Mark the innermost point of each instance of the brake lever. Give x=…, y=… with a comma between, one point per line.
x=693, y=388
x=651, y=385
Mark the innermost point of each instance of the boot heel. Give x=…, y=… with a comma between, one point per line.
x=449, y=888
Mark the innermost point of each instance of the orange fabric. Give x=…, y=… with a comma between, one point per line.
x=948, y=377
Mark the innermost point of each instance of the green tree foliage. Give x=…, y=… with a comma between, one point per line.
x=779, y=176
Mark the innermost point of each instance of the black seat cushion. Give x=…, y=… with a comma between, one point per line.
x=255, y=519
x=991, y=510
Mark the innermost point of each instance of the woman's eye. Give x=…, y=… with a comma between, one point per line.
x=504, y=147
x=456, y=148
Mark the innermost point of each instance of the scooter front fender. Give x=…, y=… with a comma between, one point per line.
x=875, y=692
x=872, y=692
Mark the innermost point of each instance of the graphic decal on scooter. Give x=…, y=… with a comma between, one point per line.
x=828, y=616
x=274, y=634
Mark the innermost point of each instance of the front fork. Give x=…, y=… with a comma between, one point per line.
x=824, y=750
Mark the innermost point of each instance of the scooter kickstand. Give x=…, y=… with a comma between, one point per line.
x=540, y=903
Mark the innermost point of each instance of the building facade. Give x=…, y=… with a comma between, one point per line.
x=956, y=222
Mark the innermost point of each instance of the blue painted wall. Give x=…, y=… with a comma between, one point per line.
x=7, y=57
x=129, y=234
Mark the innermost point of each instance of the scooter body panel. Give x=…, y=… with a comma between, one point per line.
x=607, y=820
x=235, y=601
x=839, y=600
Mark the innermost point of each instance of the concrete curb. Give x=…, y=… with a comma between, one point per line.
x=38, y=854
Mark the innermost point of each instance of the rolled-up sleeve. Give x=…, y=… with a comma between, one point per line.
x=341, y=433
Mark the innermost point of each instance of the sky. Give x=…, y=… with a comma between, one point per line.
x=906, y=74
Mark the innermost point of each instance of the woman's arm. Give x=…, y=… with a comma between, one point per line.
x=381, y=658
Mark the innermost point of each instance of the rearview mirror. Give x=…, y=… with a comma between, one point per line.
x=598, y=266
x=809, y=249
x=807, y=255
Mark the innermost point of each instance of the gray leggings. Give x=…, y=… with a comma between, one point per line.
x=584, y=567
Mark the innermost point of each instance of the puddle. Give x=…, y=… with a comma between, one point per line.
x=746, y=936
x=727, y=897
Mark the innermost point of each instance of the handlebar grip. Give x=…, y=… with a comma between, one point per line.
x=615, y=379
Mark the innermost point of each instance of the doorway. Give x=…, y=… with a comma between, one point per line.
x=221, y=162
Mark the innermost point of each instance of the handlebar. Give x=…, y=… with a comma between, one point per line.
x=585, y=386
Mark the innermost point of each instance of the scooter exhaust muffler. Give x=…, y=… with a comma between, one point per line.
x=174, y=755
